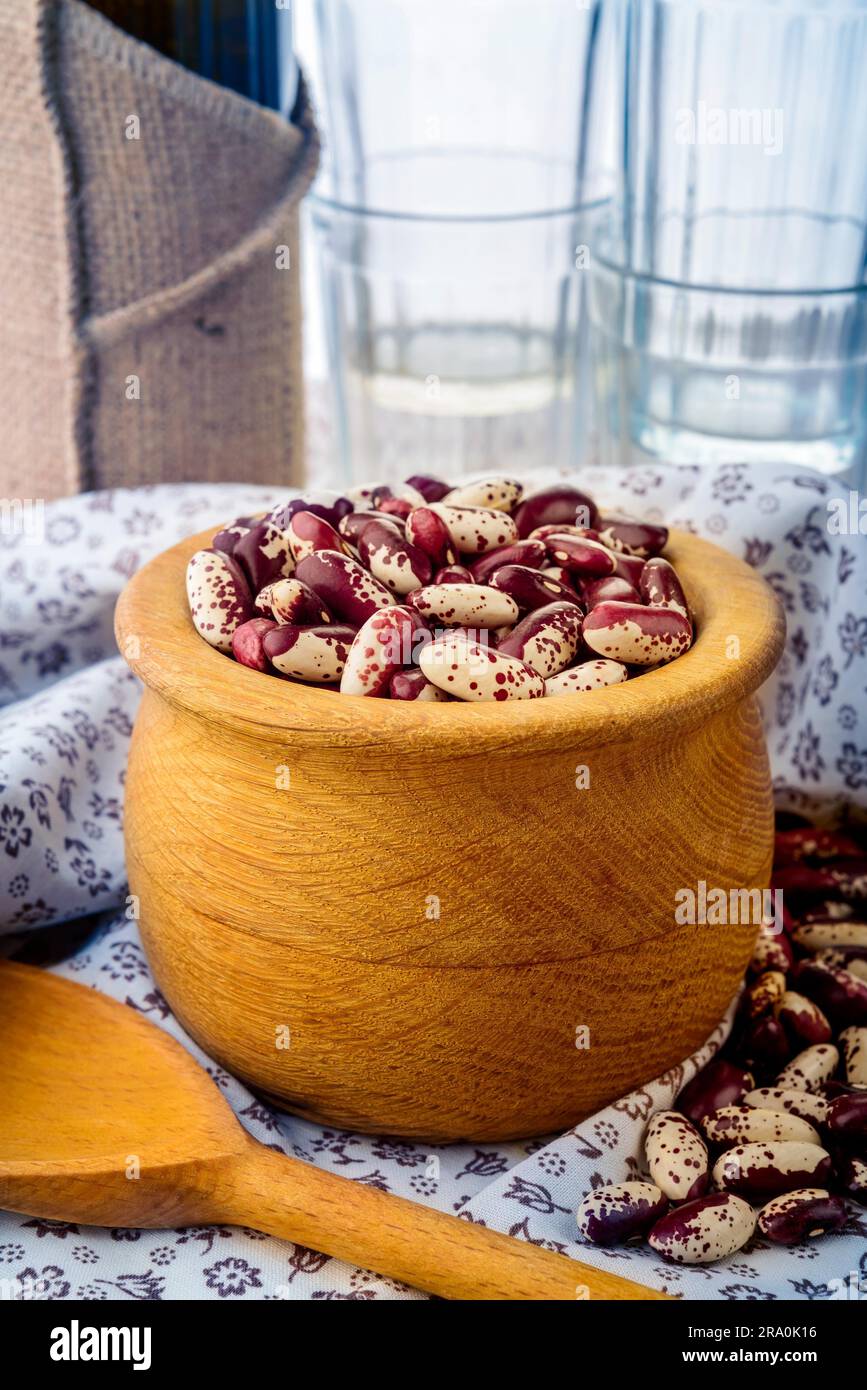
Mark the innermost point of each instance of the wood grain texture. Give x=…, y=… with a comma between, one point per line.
x=313, y=906
x=106, y=1120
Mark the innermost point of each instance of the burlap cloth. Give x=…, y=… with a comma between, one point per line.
x=149, y=330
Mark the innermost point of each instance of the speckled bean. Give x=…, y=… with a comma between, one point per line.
x=290, y=601
x=502, y=494
x=264, y=555
x=352, y=525
x=431, y=489
x=635, y=635
x=764, y=1047
x=381, y=646
x=454, y=574
x=583, y=558
x=660, y=586
x=315, y=654
x=808, y=842
x=810, y=1069
x=344, y=586
x=851, y=958
x=529, y=553
x=307, y=532
x=743, y=1124
x=470, y=671
x=817, y=936
x=803, y=1021
x=546, y=639
x=853, y=1048
x=414, y=685
x=801, y=1215
x=772, y=951
x=719, y=1083
x=761, y=1171
x=395, y=562
x=248, y=643
x=846, y=1122
x=852, y=1177
x=552, y=505
x=839, y=994
x=619, y=1212
x=429, y=532
x=465, y=605
x=642, y=538
x=765, y=992
x=611, y=588
x=588, y=675
x=676, y=1156
x=812, y=1108
x=219, y=597
x=629, y=567
x=331, y=506
x=531, y=589
x=704, y=1230
x=476, y=530
x=228, y=538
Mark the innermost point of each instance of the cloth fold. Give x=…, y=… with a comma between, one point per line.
x=68, y=705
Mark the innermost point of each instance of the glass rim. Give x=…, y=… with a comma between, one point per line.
x=459, y=218
x=812, y=292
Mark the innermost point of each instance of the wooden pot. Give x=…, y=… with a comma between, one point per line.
x=402, y=917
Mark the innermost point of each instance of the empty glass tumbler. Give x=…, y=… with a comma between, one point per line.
x=728, y=301
x=451, y=223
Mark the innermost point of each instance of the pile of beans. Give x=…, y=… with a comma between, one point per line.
x=427, y=592
x=771, y=1137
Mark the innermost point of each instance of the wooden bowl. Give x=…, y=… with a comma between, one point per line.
x=403, y=917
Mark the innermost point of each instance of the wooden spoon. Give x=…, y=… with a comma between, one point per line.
x=105, y=1120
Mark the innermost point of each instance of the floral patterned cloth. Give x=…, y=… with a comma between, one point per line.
x=67, y=704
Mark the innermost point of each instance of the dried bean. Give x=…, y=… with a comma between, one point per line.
x=761, y=1171
x=531, y=589
x=307, y=532
x=316, y=654
x=476, y=530
x=634, y=537
x=248, y=644
x=395, y=562
x=529, y=553
x=619, y=1212
x=414, y=685
x=635, y=635
x=810, y=1069
x=454, y=574
x=428, y=531
x=816, y=936
x=852, y=1177
x=718, y=1084
x=812, y=1108
x=503, y=494
x=219, y=597
x=660, y=586
x=742, y=1124
x=806, y=842
x=853, y=1046
x=846, y=1123
x=547, y=639
x=589, y=675
x=431, y=489
x=290, y=601
x=264, y=555
x=803, y=1021
x=380, y=648
x=704, y=1230
x=352, y=525
x=801, y=1215
x=471, y=671
x=580, y=556
x=465, y=605
x=344, y=586
x=839, y=994
x=676, y=1156
x=610, y=588
x=552, y=505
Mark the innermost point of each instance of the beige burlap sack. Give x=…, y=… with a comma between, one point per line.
x=150, y=326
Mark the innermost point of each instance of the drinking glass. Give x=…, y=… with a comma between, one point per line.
x=464, y=161
x=728, y=297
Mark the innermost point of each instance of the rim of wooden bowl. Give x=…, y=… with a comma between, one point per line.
x=729, y=600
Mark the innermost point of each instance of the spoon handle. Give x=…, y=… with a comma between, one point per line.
x=428, y=1249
